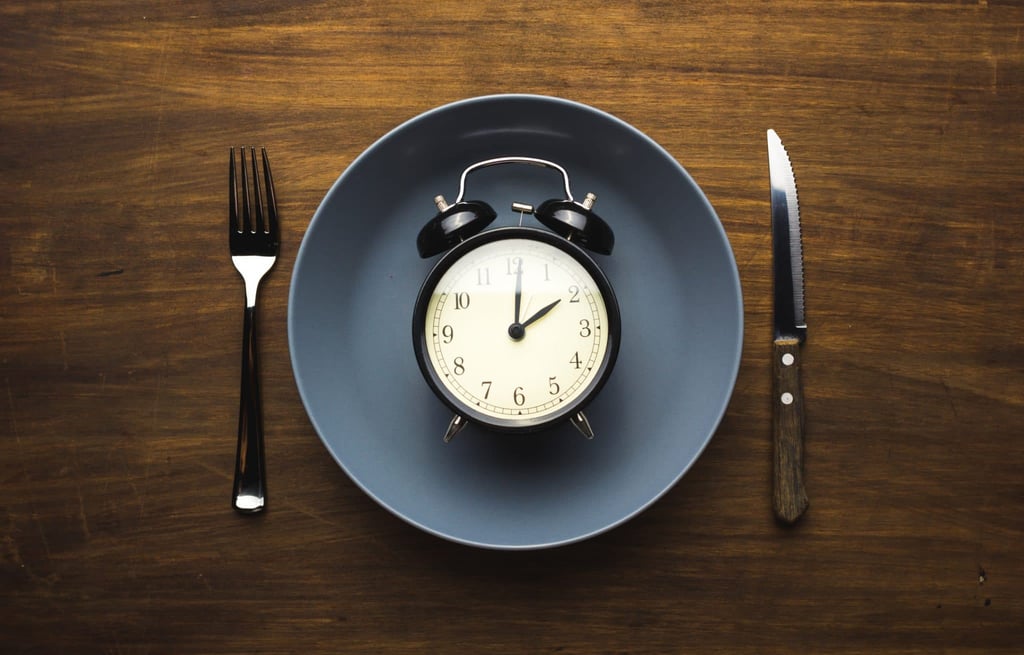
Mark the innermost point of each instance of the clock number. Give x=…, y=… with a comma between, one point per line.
x=486, y=384
x=448, y=333
x=553, y=387
x=575, y=293
x=585, y=330
x=547, y=273
x=575, y=360
x=514, y=265
x=459, y=366
x=483, y=277
x=518, y=398
x=461, y=300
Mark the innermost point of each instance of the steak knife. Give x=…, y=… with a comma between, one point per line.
x=789, y=498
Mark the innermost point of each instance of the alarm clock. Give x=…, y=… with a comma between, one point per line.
x=516, y=328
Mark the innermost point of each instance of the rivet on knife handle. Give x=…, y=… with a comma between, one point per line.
x=789, y=498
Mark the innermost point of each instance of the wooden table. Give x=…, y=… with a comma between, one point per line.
x=120, y=316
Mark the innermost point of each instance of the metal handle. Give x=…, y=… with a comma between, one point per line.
x=250, y=487
x=532, y=161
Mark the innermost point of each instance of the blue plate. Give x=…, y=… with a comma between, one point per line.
x=357, y=275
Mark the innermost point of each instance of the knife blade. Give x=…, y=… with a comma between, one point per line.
x=789, y=497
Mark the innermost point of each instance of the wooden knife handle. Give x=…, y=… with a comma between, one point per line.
x=789, y=498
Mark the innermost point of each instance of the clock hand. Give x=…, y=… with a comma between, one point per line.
x=519, y=291
x=541, y=312
x=518, y=330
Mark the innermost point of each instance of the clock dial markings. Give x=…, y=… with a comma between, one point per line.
x=517, y=371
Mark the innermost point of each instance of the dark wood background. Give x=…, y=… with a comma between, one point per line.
x=120, y=320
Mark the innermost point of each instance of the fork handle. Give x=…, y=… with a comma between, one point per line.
x=250, y=475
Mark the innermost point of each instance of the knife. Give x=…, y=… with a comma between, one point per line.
x=789, y=498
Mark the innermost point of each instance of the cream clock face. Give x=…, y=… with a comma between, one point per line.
x=516, y=330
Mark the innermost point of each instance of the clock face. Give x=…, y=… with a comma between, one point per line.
x=517, y=331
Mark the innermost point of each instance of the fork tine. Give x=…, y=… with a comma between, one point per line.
x=257, y=195
x=271, y=197
x=233, y=198
x=246, y=200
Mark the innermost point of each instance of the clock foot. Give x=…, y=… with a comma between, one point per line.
x=458, y=423
x=581, y=423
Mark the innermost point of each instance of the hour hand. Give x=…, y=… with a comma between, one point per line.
x=518, y=330
x=541, y=312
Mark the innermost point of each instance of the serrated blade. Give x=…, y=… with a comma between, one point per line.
x=787, y=249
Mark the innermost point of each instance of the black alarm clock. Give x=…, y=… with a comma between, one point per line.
x=516, y=328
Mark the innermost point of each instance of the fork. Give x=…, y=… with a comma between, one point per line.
x=254, y=238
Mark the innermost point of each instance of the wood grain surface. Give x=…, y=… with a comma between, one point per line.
x=120, y=319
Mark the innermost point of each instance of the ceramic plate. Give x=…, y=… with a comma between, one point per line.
x=355, y=282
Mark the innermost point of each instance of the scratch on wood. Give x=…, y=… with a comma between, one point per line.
x=949, y=396
x=206, y=583
x=307, y=512
x=116, y=271
x=161, y=104
x=139, y=500
x=81, y=512
x=159, y=392
x=42, y=535
x=10, y=405
x=13, y=552
x=13, y=555
x=213, y=469
x=64, y=349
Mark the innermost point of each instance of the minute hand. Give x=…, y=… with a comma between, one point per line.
x=519, y=292
x=541, y=312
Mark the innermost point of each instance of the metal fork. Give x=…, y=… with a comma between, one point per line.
x=254, y=238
